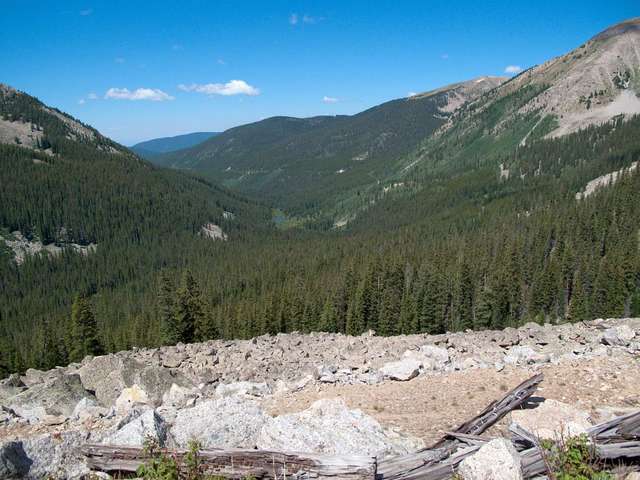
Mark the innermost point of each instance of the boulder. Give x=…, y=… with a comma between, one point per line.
x=14, y=462
x=619, y=335
x=519, y=355
x=55, y=455
x=130, y=397
x=108, y=375
x=225, y=422
x=179, y=397
x=56, y=396
x=329, y=427
x=402, y=370
x=88, y=408
x=148, y=425
x=496, y=460
x=429, y=356
x=243, y=388
x=552, y=420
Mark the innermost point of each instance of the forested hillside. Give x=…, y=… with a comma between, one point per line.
x=74, y=186
x=460, y=208
x=308, y=166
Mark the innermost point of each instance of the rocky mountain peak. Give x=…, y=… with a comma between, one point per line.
x=628, y=26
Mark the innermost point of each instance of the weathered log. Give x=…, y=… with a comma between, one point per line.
x=419, y=464
x=240, y=464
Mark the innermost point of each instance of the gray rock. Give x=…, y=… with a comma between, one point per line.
x=56, y=455
x=149, y=425
x=519, y=355
x=87, y=408
x=179, y=397
x=14, y=462
x=108, y=375
x=56, y=396
x=243, y=388
x=619, y=335
x=329, y=427
x=496, y=460
x=553, y=420
x=402, y=370
x=224, y=422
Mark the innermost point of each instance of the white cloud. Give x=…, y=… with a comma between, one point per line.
x=151, y=94
x=513, y=69
x=412, y=94
x=81, y=101
x=119, y=60
x=233, y=87
x=326, y=99
x=92, y=96
x=86, y=13
x=295, y=19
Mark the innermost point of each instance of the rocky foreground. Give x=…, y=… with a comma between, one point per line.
x=324, y=393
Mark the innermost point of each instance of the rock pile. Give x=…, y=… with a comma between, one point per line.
x=212, y=392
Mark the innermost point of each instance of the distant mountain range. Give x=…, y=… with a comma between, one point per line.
x=157, y=146
x=334, y=167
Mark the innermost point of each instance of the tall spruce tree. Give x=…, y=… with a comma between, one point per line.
x=85, y=330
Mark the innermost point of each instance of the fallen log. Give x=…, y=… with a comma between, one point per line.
x=419, y=464
x=239, y=464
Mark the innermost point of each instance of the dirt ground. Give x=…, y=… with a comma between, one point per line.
x=428, y=406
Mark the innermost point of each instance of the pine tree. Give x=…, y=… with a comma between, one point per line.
x=190, y=311
x=169, y=332
x=328, y=317
x=85, y=330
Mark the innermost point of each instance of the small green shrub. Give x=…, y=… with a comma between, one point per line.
x=573, y=459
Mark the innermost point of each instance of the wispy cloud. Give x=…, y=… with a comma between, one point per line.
x=233, y=87
x=89, y=96
x=119, y=60
x=220, y=61
x=513, y=69
x=444, y=56
x=327, y=99
x=150, y=94
x=176, y=47
x=86, y=12
x=295, y=19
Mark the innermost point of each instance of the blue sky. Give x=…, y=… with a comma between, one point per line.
x=137, y=70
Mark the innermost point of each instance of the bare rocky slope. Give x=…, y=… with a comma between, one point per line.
x=589, y=85
x=325, y=393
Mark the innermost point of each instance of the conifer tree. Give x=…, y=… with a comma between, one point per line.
x=85, y=330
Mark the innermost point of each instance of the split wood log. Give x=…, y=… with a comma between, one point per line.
x=240, y=464
x=419, y=465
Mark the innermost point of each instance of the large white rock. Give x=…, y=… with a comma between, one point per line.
x=496, y=460
x=619, y=335
x=149, y=425
x=329, y=427
x=430, y=357
x=243, y=388
x=519, y=355
x=402, y=370
x=179, y=397
x=224, y=422
x=130, y=397
x=553, y=420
